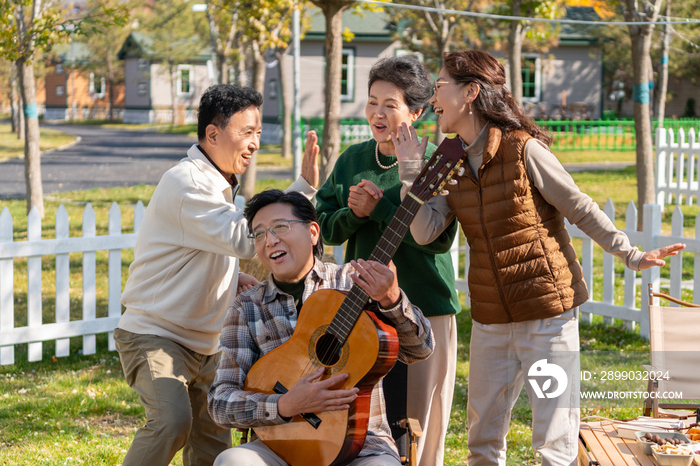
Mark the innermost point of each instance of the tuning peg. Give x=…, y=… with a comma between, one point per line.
x=461, y=171
x=444, y=192
x=452, y=181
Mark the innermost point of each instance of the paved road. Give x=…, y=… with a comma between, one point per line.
x=105, y=158
x=586, y=167
x=114, y=157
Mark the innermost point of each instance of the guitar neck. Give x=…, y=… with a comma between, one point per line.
x=357, y=298
x=397, y=229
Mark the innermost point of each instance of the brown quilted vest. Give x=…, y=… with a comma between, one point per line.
x=522, y=265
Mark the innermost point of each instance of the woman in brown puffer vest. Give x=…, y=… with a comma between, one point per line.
x=525, y=281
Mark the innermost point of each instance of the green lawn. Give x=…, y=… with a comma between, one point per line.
x=598, y=156
x=80, y=406
x=79, y=409
x=11, y=147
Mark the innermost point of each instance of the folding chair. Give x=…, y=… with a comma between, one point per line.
x=404, y=430
x=674, y=335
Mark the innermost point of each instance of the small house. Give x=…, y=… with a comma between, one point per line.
x=148, y=84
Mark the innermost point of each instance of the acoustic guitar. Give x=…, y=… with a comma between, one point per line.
x=336, y=332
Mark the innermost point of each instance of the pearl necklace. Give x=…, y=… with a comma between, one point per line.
x=376, y=157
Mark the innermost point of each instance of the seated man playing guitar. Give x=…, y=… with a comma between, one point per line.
x=288, y=243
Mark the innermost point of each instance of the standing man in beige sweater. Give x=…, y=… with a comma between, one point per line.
x=184, y=277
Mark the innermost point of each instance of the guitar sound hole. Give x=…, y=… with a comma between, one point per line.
x=328, y=349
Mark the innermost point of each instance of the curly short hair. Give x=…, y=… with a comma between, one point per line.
x=220, y=102
x=302, y=208
x=409, y=75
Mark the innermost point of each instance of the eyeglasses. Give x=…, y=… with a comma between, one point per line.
x=278, y=229
x=435, y=85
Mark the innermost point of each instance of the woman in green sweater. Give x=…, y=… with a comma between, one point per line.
x=356, y=204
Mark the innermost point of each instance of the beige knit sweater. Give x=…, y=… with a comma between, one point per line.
x=184, y=273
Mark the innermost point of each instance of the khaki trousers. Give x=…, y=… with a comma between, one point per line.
x=430, y=388
x=172, y=383
x=500, y=358
x=256, y=453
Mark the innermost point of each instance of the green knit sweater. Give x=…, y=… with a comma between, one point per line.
x=425, y=272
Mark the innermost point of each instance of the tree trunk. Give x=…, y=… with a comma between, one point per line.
x=20, y=113
x=662, y=88
x=173, y=92
x=241, y=70
x=242, y=74
x=14, y=100
x=259, y=68
x=330, y=148
x=641, y=63
x=32, y=155
x=286, y=105
x=515, y=45
x=214, y=42
x=110, y=73
x=223, y=68
x=640, y=36
x=230, y=41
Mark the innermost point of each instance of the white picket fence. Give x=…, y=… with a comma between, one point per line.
x=677, y=166
x=353, y=134
x=648, y=239
x=33, y=249
x=115, y=241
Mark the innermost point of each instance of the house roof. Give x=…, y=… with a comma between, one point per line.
x=139, y=45
x=374, y=26
x=80, y=53
x=367, y=26
x=136, y=45
x=579, y=34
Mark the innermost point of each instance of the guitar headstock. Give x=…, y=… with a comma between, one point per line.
x=446, y=160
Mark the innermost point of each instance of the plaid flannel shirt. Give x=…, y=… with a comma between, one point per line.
x=263, y=318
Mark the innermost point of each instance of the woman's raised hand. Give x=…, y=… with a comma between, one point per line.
x=407, y=145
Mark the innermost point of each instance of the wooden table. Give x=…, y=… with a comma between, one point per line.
x=606, y=448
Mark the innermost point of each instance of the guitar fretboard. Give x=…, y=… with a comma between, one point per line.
x=357, y=298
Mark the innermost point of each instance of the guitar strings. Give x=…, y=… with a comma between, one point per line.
x=383, y=253
x=408, y=209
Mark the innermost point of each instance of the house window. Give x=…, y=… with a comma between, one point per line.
x=347, y=76
x=97, y=87
x=143, y=88
x=142, y=63
x=59, y=68
x=185, y=80
x=59, y=91
x=532, y=77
